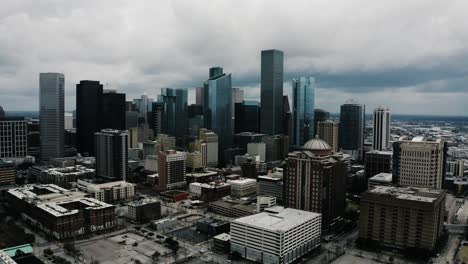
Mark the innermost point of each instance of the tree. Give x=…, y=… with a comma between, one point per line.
x=48, y=252
x=155, y=256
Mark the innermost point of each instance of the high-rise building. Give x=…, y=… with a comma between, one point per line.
x=171, y=170
x=247, y=116
x=111, y=148
x=303, y=90
x=277, y=235
x=271, y=92
x=328, y=131
x=13, y=138
x=217, y=107
x=419, y=162
x=113, y=110
x=174, y=112
x=2, y=113
x=68, y=121
x=377, y=161
x=456, y=168
x=209, y=147
x=131, y=119
x=156, y=118
x=7, y=172
x=277, y=147
x=88, y=114
x=315, y=180
x=402, y=217
x=352, y=123
x=320, y=115
x=51, y=112
x=287, y=118
x=199, y=96
x=381, y=131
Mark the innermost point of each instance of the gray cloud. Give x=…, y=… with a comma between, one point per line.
x=407, y=55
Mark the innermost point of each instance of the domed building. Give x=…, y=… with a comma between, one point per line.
x=2, y=113
x=315, y=180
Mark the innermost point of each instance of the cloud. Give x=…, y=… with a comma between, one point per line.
x=410, y=55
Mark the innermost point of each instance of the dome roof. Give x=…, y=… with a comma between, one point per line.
x=317, y=144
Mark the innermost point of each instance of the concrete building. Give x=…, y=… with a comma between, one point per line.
x=221, y=243
x=51, y=112
x=233, y=208
x=204, y=176
x=13, y=138
x=108, y=192
x=456, y=168
x=194, y=160
x=208, y=146
x=381, y=130
x=271, y=185
x=138, y=135
x=264, y=202
x=151, y=163
x=171, y=170
x=241, y=159
x=419, y=162
x=328, y=131
x=143, y=211
x=402, y=217
x=166, y=142
x=243, y=187
x=7, y=172
x=378, y=161
x=111, y=148
x=381, y=179
x=315, y=180
x=277, y=147
x=257, y=148
x=320, y=115
x=59, y=212
x=65, y=177
x=278, y=235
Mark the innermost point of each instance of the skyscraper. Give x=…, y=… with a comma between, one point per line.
x=13, y=138
x=247, y=117
x=381, y=131
x=352, y=122
x=88, y=114
x=199, y=96
x=315, y=180
x=171, y=170
x=51, y=112
x=303, y=90
x=328, y=131
x=111, y=148
x=217, y=108
x=271, y=92
x=2, y=113
x=113, y=110
x=320, y=115
x=174, y=112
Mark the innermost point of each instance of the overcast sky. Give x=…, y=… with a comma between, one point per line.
x=411, y=56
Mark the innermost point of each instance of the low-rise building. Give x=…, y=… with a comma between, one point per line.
x=7, y=172
x=202, y=176
x=265, y=202
x=222, y=243
x=143, y=211
x=213, y=227
x=233, y=208
x=381, y=179
x=108, y=192
x=278, y=235
x=65, y=176
x=271, y=185
x=243, y=187
x=59, y=212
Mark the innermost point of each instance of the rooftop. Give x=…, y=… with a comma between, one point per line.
x=223, y=237
x=382, y=177
x=278, y=218
x=409, y=193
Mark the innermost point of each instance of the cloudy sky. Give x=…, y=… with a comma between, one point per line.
x=411, y=56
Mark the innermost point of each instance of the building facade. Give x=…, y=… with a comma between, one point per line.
x=108, y=192
x=174, y=112
x=13, y=138
x=381, y=129
x=111, y=148
x=303, y=90
x=378, y=161
x=320, y=115
x=51, y=112
x=171, y=170
x=352, y=124
x=328, y=131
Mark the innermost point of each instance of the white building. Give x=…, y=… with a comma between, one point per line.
x=277, y=235
x=257, y=148
x=265, y=202
x=108, y=192
x=243, y=187
x=195, y=188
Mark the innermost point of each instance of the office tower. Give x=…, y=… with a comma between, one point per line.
x=129, y=106
x=237, y=96
x=419, y=162
x=271, y=92
x=328, y=131
x=320, y=115
x=155, y=117
x=381, y=131
x=377, y=161
x=171, y=170
x=408, y=218
x=315, y=180
x=287, y=118
x=13, y=138
x=272, y=236
x=244, y=138
x=199, y=96
x=2, y=113
x=271, y=185
x=131, y=119
x=7, y=172
x=277, y=147
x=195, y=122
x=352, y=123
x=456, y=168
x=51, y=112
x=111, y=148
x=137, y=135
x=174, y=112
x=68, y=120
x=113, y=109
x=89, y=118
x=303, y=90
x=247, y=116
x=209, y=147
x=217, y=107
x=257, y=148
x=166, y=142
x=34, y=138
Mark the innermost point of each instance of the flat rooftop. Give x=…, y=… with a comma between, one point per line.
x=223, y=237
x=278, y=218
x=382, y=177
x=381, y=152
x=409, y=193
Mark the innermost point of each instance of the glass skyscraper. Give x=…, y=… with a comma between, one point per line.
x=51, y=114
x=303, y=90
x=113, y=110
x=271, y=89
x=174, y=112
x=247, y=116
x=217, y=106
x=352, y=122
